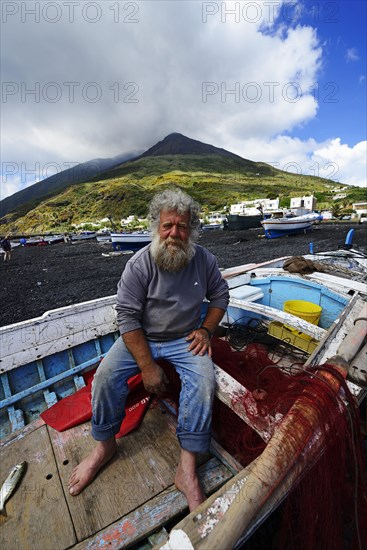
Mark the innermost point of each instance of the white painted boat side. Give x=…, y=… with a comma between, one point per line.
x=55, y=331
x=130, y=237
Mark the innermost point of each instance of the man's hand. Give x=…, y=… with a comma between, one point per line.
x=200, y=342
x=154, y=379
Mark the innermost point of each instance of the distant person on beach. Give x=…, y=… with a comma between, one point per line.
x=159, y=301
x=6, y=246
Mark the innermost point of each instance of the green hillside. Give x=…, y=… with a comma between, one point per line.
x=215, y=181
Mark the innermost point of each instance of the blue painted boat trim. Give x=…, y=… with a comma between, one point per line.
x=130, y=246
x=276, y=233
x=46, y=383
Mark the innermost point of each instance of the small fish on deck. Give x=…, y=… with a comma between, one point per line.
x=11, y=483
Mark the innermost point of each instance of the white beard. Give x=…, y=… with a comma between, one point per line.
x=171, y=254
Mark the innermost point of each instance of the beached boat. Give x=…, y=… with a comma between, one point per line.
x=237, y=222
x=44, y=361
x=282, y=226
x=103, y=238
x=33, y=241
x=130, y=241
x=54, y=239
x=211, y=226
x=82, y=236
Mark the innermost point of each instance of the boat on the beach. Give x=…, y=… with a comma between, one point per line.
x=82, y=236
x=54, y=239
x=103, y=238
x=237, y=222
x=130, y=241
x=46, y=362
x=33, y=241
x=281, y=226
x=211, y=226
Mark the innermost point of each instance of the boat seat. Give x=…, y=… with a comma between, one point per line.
x=246, y=292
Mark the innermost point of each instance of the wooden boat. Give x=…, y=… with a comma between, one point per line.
x=33, y=241
x=103, y=238
x=280, y=227
x=83, y=235
x=211, y=226
x=54, y=239
x=43, y=360
x=130, y=241
x=237, y=222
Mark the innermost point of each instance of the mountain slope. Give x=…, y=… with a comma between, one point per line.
x=215, y=177
x=37, y=192
x=178, y=144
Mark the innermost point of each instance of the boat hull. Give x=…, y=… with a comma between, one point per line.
x=130, y=241
x=83, y=236
x=280, y=227
x=211, y=226
x=105, y=238
x=236, y=222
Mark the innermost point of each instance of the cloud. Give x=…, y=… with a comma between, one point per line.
x=350, y=162
x=351, y=55
x=330, y=159
x=96, y=79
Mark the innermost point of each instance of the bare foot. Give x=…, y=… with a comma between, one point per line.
x=187, y=481
x=86, y=471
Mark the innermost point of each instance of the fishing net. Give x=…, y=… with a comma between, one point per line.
x=328, y=508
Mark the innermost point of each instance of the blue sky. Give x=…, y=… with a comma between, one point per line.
x=341, y=84
x=94, y=79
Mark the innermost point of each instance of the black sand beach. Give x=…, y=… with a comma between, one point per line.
x=38, y=279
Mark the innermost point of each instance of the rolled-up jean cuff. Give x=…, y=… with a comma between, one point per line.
x=102, y=433
x=195, y=442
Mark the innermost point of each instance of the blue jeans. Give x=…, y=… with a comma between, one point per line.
x=110, y=390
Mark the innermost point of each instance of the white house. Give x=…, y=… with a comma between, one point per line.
x=360, y=208
x=250, y=208
x=307, y=202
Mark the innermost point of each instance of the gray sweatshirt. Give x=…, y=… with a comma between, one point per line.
x=168, y=305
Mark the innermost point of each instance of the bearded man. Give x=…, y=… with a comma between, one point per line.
x=159, y=304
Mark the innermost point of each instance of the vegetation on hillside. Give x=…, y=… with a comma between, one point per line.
x=215, y=181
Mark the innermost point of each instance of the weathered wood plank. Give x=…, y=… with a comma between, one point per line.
x=276, y=314
x=36, y=513
x=337, y=283
x=234, y=395
x=155, y=513
x=55, y=331
x=233, y=271
x=23, y=432
x=144, y=466
x=224, y=521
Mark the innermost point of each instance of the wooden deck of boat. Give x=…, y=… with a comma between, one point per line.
x=130, y=498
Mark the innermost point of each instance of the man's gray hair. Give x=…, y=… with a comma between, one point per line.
x=174, y=199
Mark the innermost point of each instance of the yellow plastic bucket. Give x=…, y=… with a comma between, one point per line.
x=305, y=310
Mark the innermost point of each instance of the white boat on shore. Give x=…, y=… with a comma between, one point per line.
x=82, y=236
x=54, y=239
x=282, y=226
x=130, y=241
x=211, y=226
x=45, y=361
x=103, y=238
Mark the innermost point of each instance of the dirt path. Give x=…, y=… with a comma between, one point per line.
x=41, y=278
